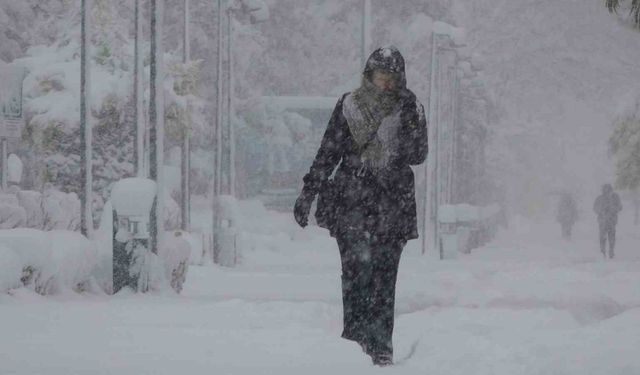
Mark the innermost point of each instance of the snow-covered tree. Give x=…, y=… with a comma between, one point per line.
x=632, y=5
x=624, y=144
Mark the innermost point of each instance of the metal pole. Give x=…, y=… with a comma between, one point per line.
x=137, y=95
x=86, y=222
x=156, y=121
x=186, y=50
x=366, y=31
x=219, y=109
x=430, y=176
x=437, y=132
x=455, y=196
x=186, y=139
x=451, y=83
x=232, y=138
x=229, y=140
x=4, y=164
x=217, y=130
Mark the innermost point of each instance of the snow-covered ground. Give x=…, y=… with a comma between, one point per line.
x=529, y=303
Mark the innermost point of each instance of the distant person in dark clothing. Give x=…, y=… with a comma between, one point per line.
x=375, y=134
x=607, y=206
x=567, y=214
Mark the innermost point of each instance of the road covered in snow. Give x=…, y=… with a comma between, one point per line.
x=529, y=303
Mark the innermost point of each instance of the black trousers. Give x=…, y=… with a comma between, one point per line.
x=607, y=232
x=369, y=272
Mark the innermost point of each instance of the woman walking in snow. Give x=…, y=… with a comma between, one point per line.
x=375, y=132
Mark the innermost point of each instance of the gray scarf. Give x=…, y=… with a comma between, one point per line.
x=373, y=116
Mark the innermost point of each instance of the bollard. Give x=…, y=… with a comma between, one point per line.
x=448, y=237
x=225, y=247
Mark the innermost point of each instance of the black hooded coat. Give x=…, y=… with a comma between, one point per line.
x=380, y=204
x=373, y=137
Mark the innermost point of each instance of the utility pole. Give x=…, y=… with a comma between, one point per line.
x=156, y=122
x=86, y=222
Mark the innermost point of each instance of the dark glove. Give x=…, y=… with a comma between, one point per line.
x=302, y=208
x=409, y=113
x=407, y=99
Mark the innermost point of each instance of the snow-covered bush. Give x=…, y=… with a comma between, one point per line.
x=103, y=242
x=10, y=269
x=175, y=257
x=11, y=214
x=171, y=213
x=31, y=201
x=47, y=262
x=49, y=210
x=61, y=210
x=73, y=259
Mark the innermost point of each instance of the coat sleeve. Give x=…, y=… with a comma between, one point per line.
x=414, y=135
x=329, y=154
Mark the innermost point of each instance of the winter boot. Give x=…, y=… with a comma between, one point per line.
x=382, y=359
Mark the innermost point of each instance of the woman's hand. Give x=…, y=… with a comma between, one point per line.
x=409, y=112
x=302, y=208
x=408, y=99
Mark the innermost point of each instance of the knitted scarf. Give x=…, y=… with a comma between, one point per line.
x=373, y=116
